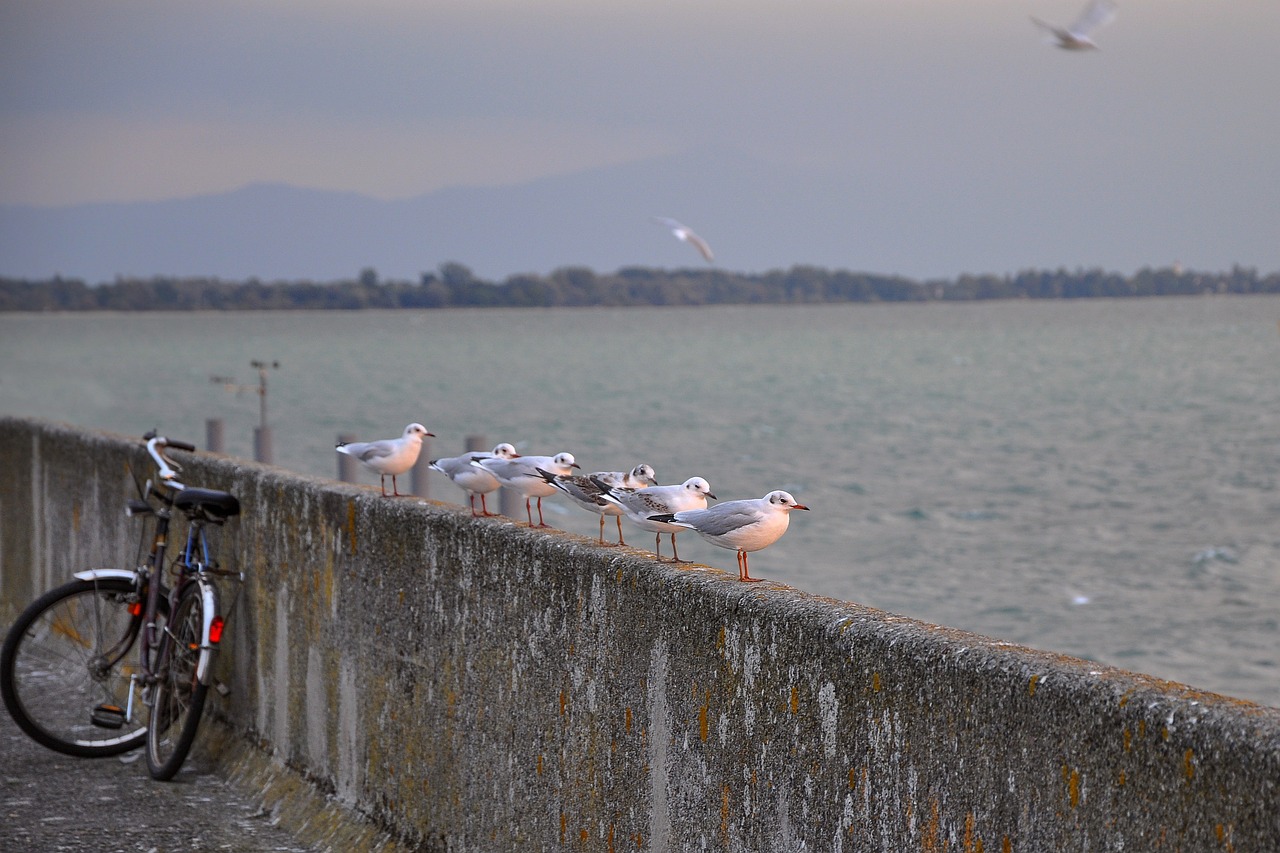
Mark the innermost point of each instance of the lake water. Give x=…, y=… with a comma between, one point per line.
x=1093, y=477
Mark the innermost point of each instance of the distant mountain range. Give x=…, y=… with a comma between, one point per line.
x=756, y=217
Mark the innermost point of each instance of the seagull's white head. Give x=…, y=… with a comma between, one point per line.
x=505, y=451
x=783, y=501
x=699, y=486
x=418, y=430
x=565, y=460
x=644, y=474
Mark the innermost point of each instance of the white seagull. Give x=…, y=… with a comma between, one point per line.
x=1078, y=36
x=740, y=526
x=521, y=475
x=588, y=491
x=473, y=479
x=685, y=233
x=391, y=456
x=640, y=504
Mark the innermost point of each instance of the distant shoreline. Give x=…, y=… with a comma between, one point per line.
x=454, y=286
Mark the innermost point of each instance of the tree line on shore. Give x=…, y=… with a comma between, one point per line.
x=454, y=286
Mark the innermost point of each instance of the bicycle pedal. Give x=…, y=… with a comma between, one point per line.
x=107, y=717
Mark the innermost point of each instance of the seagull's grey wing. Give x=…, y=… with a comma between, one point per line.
x=372, y=450
x=670, y=223
x=1098, y=14
x=700, y=245
x=721, y=519
x=1053, y=29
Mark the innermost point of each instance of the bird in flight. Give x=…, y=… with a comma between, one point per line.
x=685, y=233
x=1079, y=36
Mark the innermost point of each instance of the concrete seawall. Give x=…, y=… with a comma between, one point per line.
x=472, y=685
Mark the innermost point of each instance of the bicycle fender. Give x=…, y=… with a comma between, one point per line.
x=204, y=667
x=102, y=574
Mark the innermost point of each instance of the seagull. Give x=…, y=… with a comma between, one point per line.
x=521, y=475
x=587, y=492
x=739, y=525
x=1096, y=15
x=686, y=234
x=640, y=505
x=390, y=456
x=472, y=478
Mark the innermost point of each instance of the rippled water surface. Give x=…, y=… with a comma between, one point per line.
x=1093, y=477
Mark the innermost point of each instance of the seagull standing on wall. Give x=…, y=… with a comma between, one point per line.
x=1078, y=36
x=740, y=526
x=685, y=233
x=640, y=505
x=521, y=475
x=588, y=492
x=473, y=479
x=391, y=456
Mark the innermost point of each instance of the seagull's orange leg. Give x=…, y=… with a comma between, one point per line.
x=743, y=575
x=619, y=520
x=674, y=551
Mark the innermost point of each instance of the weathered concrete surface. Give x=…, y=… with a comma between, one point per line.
x=473, y=685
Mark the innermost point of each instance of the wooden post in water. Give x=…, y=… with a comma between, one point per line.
x=215, y=436
x=348, y=466
x=418, y=473
x=262, y=444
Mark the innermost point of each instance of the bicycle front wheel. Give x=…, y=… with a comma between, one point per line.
x=64, y=673
x=177, y=699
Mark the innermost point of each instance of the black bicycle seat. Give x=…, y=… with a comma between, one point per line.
x=207, y=504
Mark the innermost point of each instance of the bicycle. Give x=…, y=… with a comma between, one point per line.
x=65, y=672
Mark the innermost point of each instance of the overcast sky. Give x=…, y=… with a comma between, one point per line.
x=1163, y=146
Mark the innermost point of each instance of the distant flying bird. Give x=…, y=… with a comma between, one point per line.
x=1078, y=36
x=686, y=234
x=389, y=456
x=740, y=526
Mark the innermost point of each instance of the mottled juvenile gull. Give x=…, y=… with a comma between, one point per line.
x=588, y=491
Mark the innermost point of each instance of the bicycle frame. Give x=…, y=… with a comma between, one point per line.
x=194, y=567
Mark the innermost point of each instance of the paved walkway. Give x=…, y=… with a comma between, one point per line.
x=53, y=802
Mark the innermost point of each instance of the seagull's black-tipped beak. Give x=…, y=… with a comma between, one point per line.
x=801, y=506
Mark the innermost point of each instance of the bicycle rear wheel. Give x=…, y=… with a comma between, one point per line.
x=177, y=699
x=65, y=670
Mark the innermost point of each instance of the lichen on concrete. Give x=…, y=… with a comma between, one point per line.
x=471, y=684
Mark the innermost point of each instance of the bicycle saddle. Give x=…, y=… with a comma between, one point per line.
x=207, y=504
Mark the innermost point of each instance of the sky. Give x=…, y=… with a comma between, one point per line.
x=954, y=121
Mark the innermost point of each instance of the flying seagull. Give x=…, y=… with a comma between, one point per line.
x=683, y=232
x=1096, y=15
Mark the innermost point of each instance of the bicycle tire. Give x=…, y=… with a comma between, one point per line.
x=177, y=698
x=66, y=657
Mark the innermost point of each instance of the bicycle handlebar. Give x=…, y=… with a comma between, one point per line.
x=168, y=468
